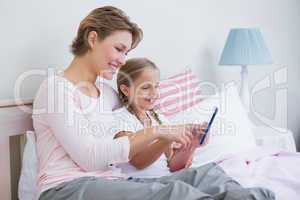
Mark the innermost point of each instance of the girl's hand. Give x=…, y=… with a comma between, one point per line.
x=198, y=133
x=182, y=158
x=189, y=162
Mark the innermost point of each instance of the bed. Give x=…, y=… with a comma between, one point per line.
x=14, y=123
x=238, y=151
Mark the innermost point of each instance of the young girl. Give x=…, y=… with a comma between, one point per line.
x=137, y=83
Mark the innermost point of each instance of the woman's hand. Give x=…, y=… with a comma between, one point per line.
x=122, y=134
x=178, y=134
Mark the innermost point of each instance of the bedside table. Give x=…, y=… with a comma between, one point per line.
x=275, y=137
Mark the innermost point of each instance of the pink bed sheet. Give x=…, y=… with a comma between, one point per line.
x=274, y=169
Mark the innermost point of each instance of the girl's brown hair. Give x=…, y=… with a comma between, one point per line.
x=104, y=20
x=129, y=73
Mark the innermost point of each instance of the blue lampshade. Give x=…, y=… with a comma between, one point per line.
x=245, y=46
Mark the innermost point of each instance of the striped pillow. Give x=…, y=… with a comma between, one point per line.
x=178, y=93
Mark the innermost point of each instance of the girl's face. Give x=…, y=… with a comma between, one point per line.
x=109, y=54
x=144, y=90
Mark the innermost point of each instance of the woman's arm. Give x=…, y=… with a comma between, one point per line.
x=56, y=110
x=147, y=153
x=91, y=149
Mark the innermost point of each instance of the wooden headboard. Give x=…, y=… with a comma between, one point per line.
x=15, y=120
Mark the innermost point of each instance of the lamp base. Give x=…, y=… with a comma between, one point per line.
x=244, y=90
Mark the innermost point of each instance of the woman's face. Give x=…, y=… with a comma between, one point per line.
x=109, y=54
x=144, y=90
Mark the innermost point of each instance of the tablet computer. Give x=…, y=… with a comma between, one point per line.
x=202, y=139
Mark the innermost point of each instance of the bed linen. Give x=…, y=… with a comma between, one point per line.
x=271, y=168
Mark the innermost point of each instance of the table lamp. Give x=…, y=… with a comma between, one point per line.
x=245, y=46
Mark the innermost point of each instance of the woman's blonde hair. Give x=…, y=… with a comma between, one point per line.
x=104, y=20
x=129, y=73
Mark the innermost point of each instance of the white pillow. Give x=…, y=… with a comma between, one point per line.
x=231, y=131
x=27, y=182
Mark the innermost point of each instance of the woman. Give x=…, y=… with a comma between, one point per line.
x=77, y=157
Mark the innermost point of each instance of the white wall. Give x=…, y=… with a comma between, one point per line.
x=36, y=34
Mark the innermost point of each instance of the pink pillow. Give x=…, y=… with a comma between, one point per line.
x=178, y=93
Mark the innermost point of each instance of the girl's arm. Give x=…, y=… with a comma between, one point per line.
x=149, y=154
x=152, y=150
x=182, y=158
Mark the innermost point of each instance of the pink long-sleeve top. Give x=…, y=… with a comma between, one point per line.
x=74, y=134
